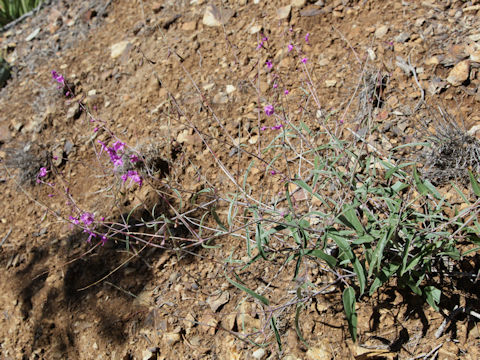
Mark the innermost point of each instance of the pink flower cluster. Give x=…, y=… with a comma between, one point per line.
x=88, y=220
x=269, y=110
x=114, y=152
x=133, y=176
x=58, y=78
x=260, y=45
x=116, y=157
x=42, y=173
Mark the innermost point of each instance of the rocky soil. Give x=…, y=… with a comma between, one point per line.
x=135, y=63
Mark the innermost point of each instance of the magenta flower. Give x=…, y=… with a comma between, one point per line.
x=115, y=157
x=74, y=220
x=269, y=110
x=307, y=37
x=87, y=218
x=304, y=60
x=263, y=128
x=276, y=127
x=286, y=92
x=134, y=159
x=133, y=176
x=275, y=85
x=104, y=239
x=273, y=172
x=42, y=172
x=58, y=78
x=290, y=47
x=117, y=162
x=90, y=234
x=269, y=64
x=118, y=146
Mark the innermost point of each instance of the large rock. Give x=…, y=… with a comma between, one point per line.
x=460, y=73
x=117, y=49
x=284, y=12
x=215, y=16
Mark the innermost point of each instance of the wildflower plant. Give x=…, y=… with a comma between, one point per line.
x=357, y=215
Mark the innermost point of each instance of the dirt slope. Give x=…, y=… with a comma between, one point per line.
x=62, y=297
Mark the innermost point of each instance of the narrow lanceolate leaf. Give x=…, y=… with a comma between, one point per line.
x=433, y=296
x=357, y=266
x=217, y=219
x=379, y=249
x=382, y=277
x=422, y=189
x=474, y=182
x=297, y=323
x=425, y=187
x=349, y=308
x=329, y=259
x=273, y=324
x=249, y=291
x=349, y=218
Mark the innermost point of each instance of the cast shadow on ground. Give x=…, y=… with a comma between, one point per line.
x=76, y=299
x=451, y=281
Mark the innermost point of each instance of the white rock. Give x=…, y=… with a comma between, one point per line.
x=381, y=31
x=475, y=37
x=298, y=3
x=330, y=83
x=220, y=98
x=255, y=29
x=230, y=89
x=460, y=73
x=117, y=49
x=258, y=354
x=371, y=54
x=209, y=86
x=284, y=12
x=217, y=300
x=171, y=338
x=214, y=16
x=318, y=353
x=32, y=35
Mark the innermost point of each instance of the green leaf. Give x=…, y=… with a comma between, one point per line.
x=475, y=186
x=422, y=189
x=399, y=186
x=412, y=285
x=297, y=267
x=259, y=240
x=273, y=324
x=329, y=259
x=383, y=276
x=297, y=325
x=308, y=189
x=349, y=218
x=349, y=308
x=217, y=219
x=249, y=291
x=432, y=295
x=379, y=249
x=357, y=266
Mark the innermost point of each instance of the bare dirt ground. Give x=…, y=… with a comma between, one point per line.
x=64, y=298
